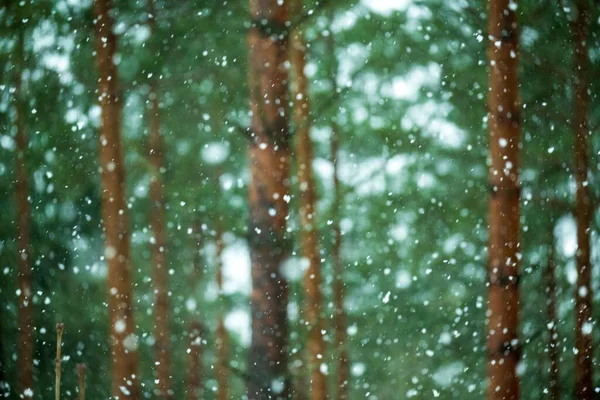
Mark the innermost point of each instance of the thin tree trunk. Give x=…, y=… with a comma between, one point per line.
x=340, y=325
x=269, y=155
x=584, y=388
x=124, y=342
x=308, y=219
x=3, y=381
x=343, y=368
x=25, y=316
x=222, y=336
x=195, y=386
x=194, y=375
x=553, y=344
x=198, y=251
x=505, y=131
x=159, y=244
x=81, y=368
x=300, y=386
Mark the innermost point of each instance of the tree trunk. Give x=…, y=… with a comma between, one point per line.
x=340, y=337
x=269, y=155
x=584, y=388
x=194, y=378
x=197, y=256
x=3, y=379
x=222, y=337
x=25, y=317
x=553, y=345
x=195, y=387
x=308, y=219
x=504, y=126
x=159, y=244
x=124, y=342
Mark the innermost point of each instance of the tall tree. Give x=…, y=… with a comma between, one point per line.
x=25, y=316
x=341, y=336
x=222, y=337
x=269, y=155
x=505, y=131
x=340, y=325
x=194, y=375
x=551, y=323
x=584, y=388
x=194, y=384
x=159, y=244
x=308, y=219
x=124, y=342
x=3, y=379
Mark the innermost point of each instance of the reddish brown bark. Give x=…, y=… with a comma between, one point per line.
x=553, y=343
x=124, y=356
x=269, y=156
x=340, y=324
x=313, y=296
x=584, y=388
x=343, y=368
x=81, y=368
x=222, y=369
x=505, y=131
x=159, y=243
x=25, y=314
x=194, y=374
x=194, y=384
x=198, y=251
x=3, y=381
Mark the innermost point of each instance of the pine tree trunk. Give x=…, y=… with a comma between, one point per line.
x=308, y=219
x=124, y=342
x=222, y=336
x=3, y=381
x=159, y=244
x=195, y=387
x=25, y=316
x=340, y=325
x=223, y=361
x=198, y=251
x=161, y=274
x=584, y=388
x=343, y=368
x=553, y=345
x=269, y=155
x=505, y=131
x=194, y=376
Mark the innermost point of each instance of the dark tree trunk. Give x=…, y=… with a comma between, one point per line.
x=340, y=324
x=341, y=337
x=505, y=131
x=25, y=315
x=194, y=375
x=3, y=381
x=313, y=296
x=195, y=371
x=159, y=244
x=124, y=356
x=584, y=388
x=553, y=343
x=222, y=369
x=269, y=155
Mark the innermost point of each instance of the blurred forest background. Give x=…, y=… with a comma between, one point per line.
x=398, y=145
